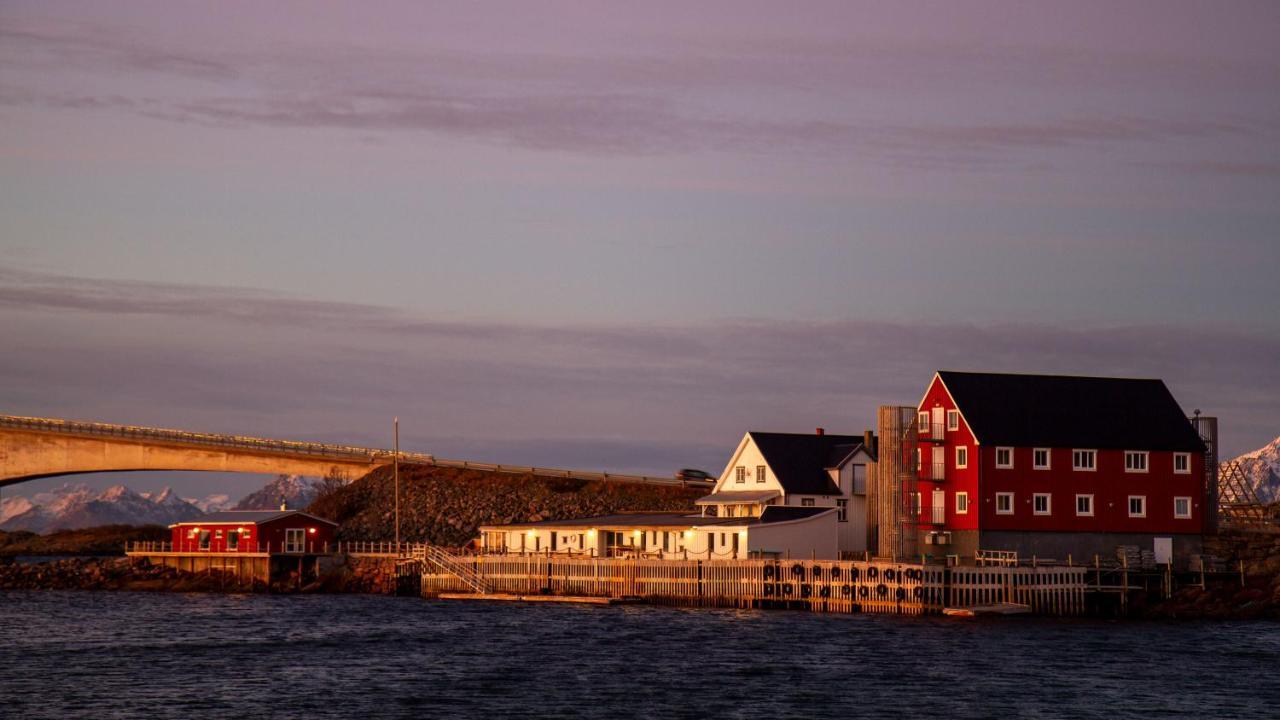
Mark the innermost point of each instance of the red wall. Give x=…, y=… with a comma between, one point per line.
x=1110, y=485
x=957, y=480
x=267, y=537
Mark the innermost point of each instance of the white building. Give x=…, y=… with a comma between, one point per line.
x=799, y=470
x=778, y=532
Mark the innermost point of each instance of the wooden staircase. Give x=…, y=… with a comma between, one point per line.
x=430, y=555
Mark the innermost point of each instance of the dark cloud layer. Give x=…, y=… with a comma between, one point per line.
x=645, y=398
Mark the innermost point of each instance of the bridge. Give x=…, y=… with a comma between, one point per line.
x=32, y=448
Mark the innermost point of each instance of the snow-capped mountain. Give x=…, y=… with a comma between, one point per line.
x=76, y=506
x=212, y=503
x=295, y=490
x=1262, y=468
x=12, y=506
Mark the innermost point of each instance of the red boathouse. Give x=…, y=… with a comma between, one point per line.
x=255, y=531
x=1056, y=465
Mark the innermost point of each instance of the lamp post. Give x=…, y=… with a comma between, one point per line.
x=396, y=465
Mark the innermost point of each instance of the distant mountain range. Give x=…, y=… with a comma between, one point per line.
x=1262, y=468
x=76, y=506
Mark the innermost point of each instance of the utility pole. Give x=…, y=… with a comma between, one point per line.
x=396, y=465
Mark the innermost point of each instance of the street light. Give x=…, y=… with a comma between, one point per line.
x=396, y=465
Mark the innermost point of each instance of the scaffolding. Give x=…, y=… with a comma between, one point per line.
x=1207, y=428
x=896, y=476
x=1239, y=505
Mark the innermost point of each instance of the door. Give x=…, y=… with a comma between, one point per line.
x=1164, y=550
x=295, y=540
x=936, y=423
x=937, y=469
x=939, y=507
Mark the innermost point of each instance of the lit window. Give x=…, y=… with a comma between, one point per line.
x=1004, y=503
x=953, y=419
x=962, y=503
x=759, y=473
x=1084, y=459
x=1040, y=458
x=1040, y=504
x=962, y=457
x=842, y=510
x=740, y=474
x=1004, y=457
x=1084, y=505
x=1137, y=506
x=1182, y=463
x=1135, y=461
x=1182, y=507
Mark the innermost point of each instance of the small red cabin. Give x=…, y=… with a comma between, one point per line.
x=255, y=531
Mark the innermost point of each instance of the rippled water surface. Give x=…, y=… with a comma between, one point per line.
x=83, y=654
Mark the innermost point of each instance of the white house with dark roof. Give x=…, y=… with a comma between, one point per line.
x=798, y=470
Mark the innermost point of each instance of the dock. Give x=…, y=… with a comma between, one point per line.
x=509, y=597
x=993, y=609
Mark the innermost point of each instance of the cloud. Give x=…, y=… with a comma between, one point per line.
x=627, y=397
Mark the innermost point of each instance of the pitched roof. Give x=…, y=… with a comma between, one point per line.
x=737, y=496
x=249, y=516
x=799, y=460
x=1068, y=411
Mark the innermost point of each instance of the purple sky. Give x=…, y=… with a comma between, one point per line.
x=619, y=235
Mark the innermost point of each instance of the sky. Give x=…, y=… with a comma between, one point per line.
x=619, y=235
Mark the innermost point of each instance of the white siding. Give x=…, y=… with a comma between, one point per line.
x=810, y=537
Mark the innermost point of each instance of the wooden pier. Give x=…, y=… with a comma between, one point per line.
x=817, y=585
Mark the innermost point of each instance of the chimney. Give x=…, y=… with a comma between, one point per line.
x=869, y=441
x=821, y=431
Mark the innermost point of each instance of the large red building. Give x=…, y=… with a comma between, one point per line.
x=255, y=531
x=1056, y=466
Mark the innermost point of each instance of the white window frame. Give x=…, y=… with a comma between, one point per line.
x=1092, y=454
x=1187, y=514
x=1048, y=459
x=807, y=502
x=1129, y=506
x=1089, y=513
x=962, y=450
x=953, y=420
x=740, y=474
x=1048, y=504
x=922, y=423
x=760, y=473
x=962, y=503
x=1186, y=462
x=1008, y=465
x=1134, y=454
x=1001, y=495
x=842, y=510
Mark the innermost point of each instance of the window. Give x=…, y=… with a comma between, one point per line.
x=1004, y=457
x=1182, y=507
x=233, y=540
x=1182, y=463
x=962, y=457
x=1137, y=506
x=917, y=502
x=923, y=422
x=1084, y=505
x=842, y=510
x=806, y=502
x=962, y=503
x=204, y=539
x=953, y=419
x=1084, y=459
x=295, y=540
x=1135, y=461
x=1040, y=458
x=759, y=473
x=740, y=474
x=1004, y=503
x=1041, y=504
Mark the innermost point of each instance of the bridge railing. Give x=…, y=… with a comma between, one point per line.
x=324, y=450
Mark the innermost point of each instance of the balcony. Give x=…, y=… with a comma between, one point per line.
x=936, y=472
x=932, y=515
x=932, y=432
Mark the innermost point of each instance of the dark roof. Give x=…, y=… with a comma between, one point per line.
x=1066, y=411
x=782, y=513
x=740, y=496
x=799, y=460
x=249, y=516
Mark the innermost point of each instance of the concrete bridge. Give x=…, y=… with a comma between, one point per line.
x=33, y=448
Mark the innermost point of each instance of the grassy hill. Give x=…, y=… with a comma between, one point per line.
x=446, y=505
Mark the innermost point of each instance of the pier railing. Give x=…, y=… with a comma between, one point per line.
x=143, y=547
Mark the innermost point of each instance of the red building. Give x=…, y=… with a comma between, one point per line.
x=1055, y=465
x=255, y=531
